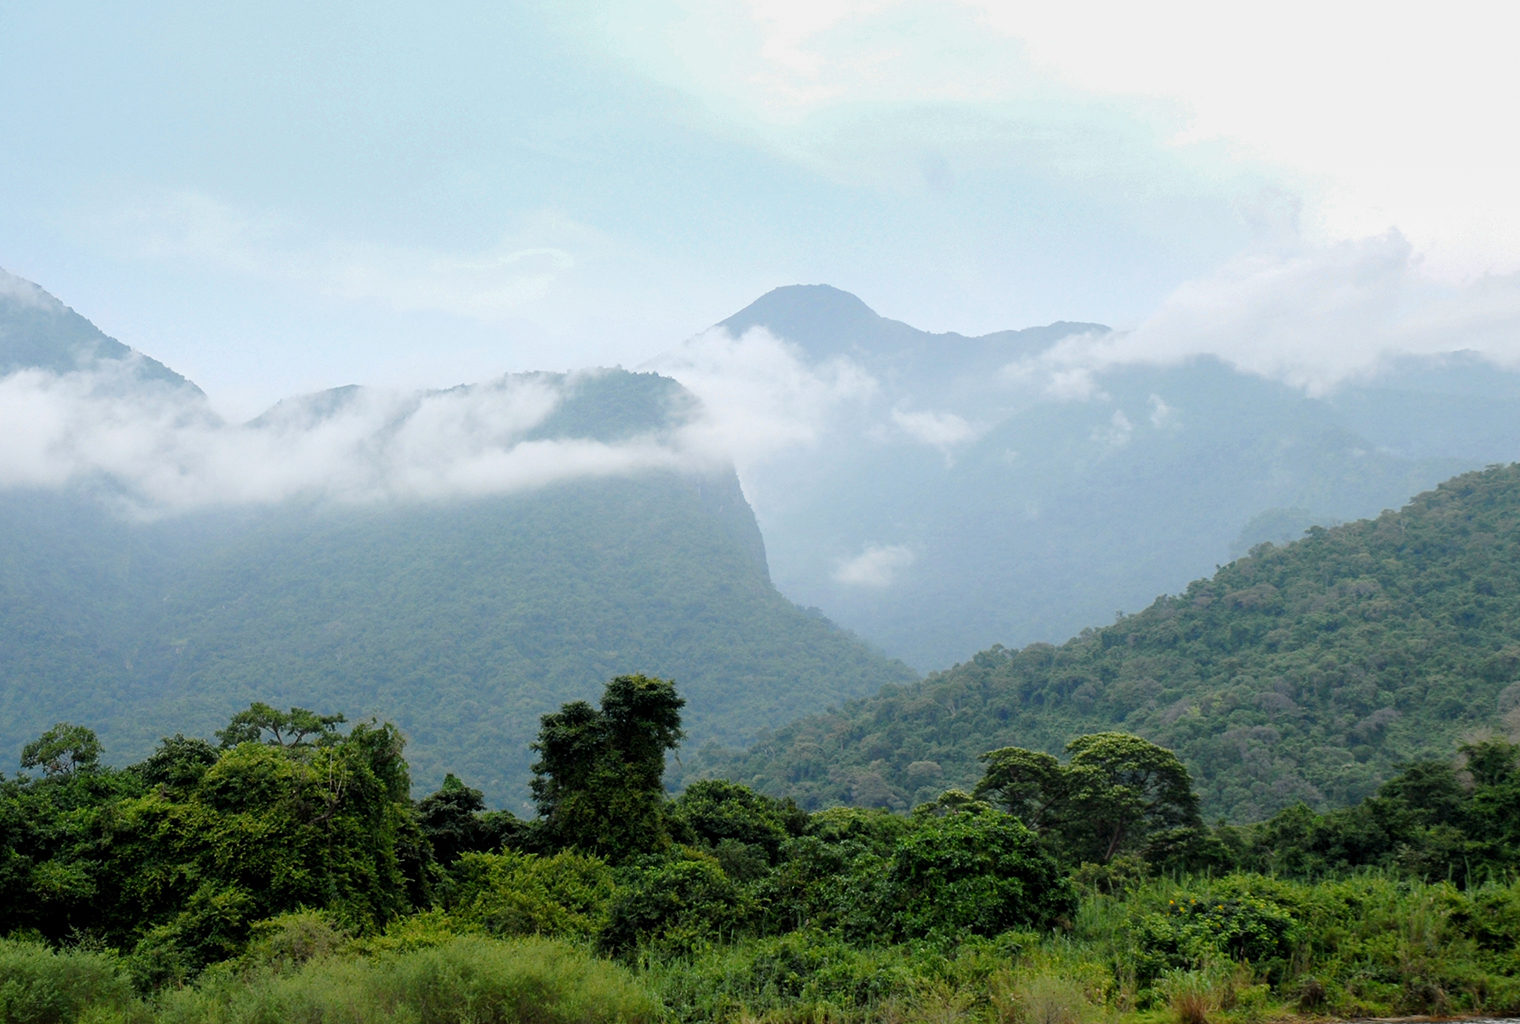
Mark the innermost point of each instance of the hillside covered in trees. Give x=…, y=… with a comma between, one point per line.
x=1303, y=672
x=458, y=562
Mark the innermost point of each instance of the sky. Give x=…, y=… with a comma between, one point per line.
x=277, y=198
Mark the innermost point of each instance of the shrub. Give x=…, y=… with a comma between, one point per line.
x=467, y=979
x=977, y=872
x=41, y=986
x=567, y=895
x=677, y=905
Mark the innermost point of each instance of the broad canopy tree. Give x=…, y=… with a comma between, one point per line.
x=1117, y=794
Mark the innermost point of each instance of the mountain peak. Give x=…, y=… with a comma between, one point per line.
x=38, y=332
x=825, y=321
x=819, y=317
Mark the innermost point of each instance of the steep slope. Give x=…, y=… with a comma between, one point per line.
x=457, y=562
x=960, y=492
x=39, y=332
x=1303, y=672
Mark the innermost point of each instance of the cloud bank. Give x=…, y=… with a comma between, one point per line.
x=158, y=450
x=1313, y=317
x=761, y=396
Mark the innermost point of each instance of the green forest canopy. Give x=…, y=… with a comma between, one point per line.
x=1304, y=672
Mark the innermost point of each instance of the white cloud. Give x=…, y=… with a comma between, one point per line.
x=759, y=394
x=159, y=450
x=1116, y=433
x=875, y=567
x=1313, y=317
x=1389, y=115
x=942, y=430
x=1379, y=117
x=1161, y=415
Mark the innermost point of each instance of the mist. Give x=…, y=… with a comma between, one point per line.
x=155, y=451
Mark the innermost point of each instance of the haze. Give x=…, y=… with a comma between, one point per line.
x=277, y=198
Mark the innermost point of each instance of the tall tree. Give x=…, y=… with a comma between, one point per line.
x=597, y=782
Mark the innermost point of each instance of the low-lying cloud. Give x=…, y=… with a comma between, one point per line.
x=1314, y=318
x=876, y=567
x=760, y=394
x=942, y=430
x=158, y=450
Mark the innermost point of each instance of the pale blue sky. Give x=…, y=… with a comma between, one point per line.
x=280, y=197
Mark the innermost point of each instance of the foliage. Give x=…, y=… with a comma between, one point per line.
x=285, y=728
x=974, y=872
x=567, y=895
x=1308, y=672
x=450, y=820
x=675, y=904
x=1119, y=794
x=743, y=829
x=467, y=978
x=1457, y=820
x=63, y=750
x=597, y=782
x=174, y=859
x=39, y=985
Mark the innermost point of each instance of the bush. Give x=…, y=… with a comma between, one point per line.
x=468, y=979
x=567, y=895
x=1238, y=919
x=677, y=905
x=802, y=975
x=41, y=986
x=976, y=872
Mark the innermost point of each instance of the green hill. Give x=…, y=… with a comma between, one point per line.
x=461, y=622
x=1301, y=672
x=458, y=563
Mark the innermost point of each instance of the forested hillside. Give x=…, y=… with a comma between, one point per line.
x=463, y=624
x=457, y=562
x=1303, y=672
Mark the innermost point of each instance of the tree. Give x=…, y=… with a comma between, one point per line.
x=1117, y=794
x=450, y=820
x=978, y=871
x=1125, y=794
x=63, y=750
x=597, y=782
x=286, y=729
x=1027, y=783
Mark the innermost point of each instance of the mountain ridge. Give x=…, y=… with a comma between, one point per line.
x=1306, y=672
x=459, y=562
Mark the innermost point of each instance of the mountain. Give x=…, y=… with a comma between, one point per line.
x=38, y=332
x=951, y=492
x=457, y=562
x=1305, y=672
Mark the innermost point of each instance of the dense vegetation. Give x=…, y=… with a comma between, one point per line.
x=1304, y=672
x=462, y=622
x=283, y=873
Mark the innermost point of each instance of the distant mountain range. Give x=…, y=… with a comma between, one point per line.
x=456, y=562
x=955, y=492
